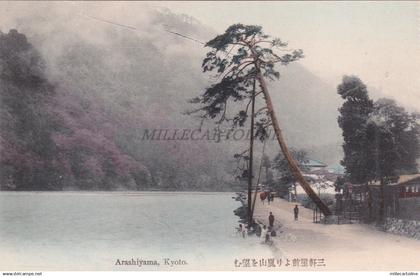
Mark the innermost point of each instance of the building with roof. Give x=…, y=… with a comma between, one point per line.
x=408, y=186
x=402, y=198
x=314, y=164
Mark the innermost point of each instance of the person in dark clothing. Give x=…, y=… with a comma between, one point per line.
x=296, y=211
x=271, y=220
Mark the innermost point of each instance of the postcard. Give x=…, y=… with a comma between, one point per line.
x=209, y=136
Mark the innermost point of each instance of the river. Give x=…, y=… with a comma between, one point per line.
x=98, y=230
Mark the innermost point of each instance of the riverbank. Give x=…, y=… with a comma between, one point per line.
x=342, y=247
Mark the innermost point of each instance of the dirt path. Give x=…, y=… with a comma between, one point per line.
x=343, y=247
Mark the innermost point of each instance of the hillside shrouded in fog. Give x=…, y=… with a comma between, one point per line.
x=77, y=94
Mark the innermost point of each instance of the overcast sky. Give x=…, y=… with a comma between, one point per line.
x=378, y=41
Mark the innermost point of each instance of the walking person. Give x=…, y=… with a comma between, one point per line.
x=271, y=220
x=296, y=211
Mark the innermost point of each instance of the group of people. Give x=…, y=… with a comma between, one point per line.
x=264, y=232
x=267, y=195
x=269, y=231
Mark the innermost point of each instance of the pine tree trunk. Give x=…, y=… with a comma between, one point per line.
x=292, y=163
x=251, y=157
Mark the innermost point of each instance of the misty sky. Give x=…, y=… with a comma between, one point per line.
x=378, y=41
x=122, y=52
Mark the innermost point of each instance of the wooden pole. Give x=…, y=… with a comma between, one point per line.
x=258, y=181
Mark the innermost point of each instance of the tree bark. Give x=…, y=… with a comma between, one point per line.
x=292, y=163
x=251, y=157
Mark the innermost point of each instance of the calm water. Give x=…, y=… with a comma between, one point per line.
x=91, y=230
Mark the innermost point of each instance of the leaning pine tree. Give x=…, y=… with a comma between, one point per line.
x=243, y=58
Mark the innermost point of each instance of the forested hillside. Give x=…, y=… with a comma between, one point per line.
x=78, y=94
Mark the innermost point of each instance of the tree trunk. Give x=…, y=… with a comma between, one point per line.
x=292, y=163
x=251, y=157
